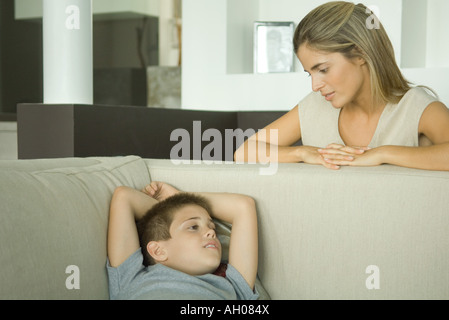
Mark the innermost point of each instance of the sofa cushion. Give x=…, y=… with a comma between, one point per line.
x=53, y=224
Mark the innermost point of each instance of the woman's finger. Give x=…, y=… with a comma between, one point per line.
x=336, y=162
x=330, y=165
x=334, y=152
x=335, y=146
x=342, y=150
x=336, y=157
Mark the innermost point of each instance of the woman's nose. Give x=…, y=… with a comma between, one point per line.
x=317, y=84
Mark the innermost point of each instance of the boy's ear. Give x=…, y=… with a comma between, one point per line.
x=157, y=251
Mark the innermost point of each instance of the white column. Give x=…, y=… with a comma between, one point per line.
x=68, y=58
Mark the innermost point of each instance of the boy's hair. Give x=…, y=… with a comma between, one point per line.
x=155, y=225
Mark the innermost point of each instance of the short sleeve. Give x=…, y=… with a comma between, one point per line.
x=122, y=275
x=242, y=289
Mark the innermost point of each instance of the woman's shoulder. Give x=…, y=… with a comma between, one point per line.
x=312, y=96
x=419, y=96
x=313, y=100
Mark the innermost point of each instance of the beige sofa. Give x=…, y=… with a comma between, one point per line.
x=357, y=233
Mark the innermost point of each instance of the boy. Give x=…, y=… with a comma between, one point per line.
x=179, y=246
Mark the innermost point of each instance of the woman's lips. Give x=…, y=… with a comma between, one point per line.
x=329, y=96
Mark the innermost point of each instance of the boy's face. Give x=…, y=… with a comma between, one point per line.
x=194, y=247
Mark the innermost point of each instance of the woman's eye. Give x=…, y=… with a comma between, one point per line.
x=194, y=227
x=324, y=70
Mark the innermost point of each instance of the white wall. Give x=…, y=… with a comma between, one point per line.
x=437, y=34
x=240, y=17
x=205, y=81
x=213, y=51
x=414, y=34
x=425, y=41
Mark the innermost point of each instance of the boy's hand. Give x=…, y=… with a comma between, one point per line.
x=160, y=190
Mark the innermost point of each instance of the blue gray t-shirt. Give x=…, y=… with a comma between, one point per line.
x=132, y=280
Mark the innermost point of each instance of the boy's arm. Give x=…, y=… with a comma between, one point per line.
x=240, y=211
x=127, y=206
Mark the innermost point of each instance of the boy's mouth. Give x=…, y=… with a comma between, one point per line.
x=211, y=245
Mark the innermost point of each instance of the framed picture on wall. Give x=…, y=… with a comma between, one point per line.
x=273, y=47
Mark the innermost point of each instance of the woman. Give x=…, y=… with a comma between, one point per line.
x=362, y=112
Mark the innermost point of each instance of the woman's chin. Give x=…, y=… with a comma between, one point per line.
x=336, y=105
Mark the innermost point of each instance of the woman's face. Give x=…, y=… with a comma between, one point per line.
x=340, y=80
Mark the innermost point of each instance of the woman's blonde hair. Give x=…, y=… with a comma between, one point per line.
x=347, y=28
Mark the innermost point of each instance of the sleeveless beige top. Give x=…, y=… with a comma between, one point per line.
x=398, y=124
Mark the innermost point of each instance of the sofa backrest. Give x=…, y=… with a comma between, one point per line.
x=356, y=233
x=53, y=225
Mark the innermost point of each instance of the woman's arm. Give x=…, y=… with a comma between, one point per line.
x=279, y=135
x=434, y=125
x=427, y=158
x=273, y=143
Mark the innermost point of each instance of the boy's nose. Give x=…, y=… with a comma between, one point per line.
x=211, y=233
